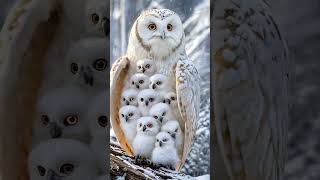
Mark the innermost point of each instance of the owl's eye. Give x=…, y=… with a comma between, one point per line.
x=100, y=64
x=164, y=140
x=95, y=18
x=41, y=170
x=66, y=168
x=159, y=83
x=151, y=99
x=148, y=66
x=140, y=124
x=141, y=99
x=157, y=140
x=139, y=67
x=122, y=115
x=173, y=98
x=123, y=99
x=103, y=121
x=169, y=27
x=70, y=120
x=132, y=83
x=156, y=117
x=131, y=114
x=152, y=27
x=164, y=113
x=149, y=125
x=74, y=68
x=45, y=119
x=141, y=81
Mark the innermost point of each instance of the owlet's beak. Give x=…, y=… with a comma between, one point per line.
x=55, y=130
x=87, y=76
x=160, y=143
x=163, y=35
x=51, y=175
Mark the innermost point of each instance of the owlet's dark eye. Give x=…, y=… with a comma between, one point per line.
x=164, y=113
x=74, y=68
x=45, y=119
x=149, y=125
x=95, y=18
x=152, y=27
x=123, y=99
x=103, y=121
x=173, y=98
x=122, y=115
x=70, y=120
x=156, y=117
x=148, y=66
x=41, y=170
x=139, y=67
x=132, y=83
x=169, y=27
x=140, y=124
x=141, y=81
x=66, y=169
x=141, y=99
x=159, y=83
x=165, y=140
x=151, y=99
x=100, y=64
x=130, y=114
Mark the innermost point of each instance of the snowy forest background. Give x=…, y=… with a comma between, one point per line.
x=299, y=21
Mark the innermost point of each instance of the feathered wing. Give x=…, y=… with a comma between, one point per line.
x=250, y=90
x=118, y=74
x=25, y=37
x=188, y=95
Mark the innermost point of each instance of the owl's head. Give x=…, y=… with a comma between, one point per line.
x=97, y=18
x=87, y=64
x=163, y=139
x=159, y=32
x=148, y=126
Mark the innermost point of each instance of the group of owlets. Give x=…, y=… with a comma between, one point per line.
x=71, y=119
x=149, y=115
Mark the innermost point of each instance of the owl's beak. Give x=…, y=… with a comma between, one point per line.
x=163, y=35
x=144, y=128
x=52, y=175
x=87, y=76
x=160, y=143
x=161, y=119
x=153, y=86
x=146, y=103
x=143, y=70
x=127, y=118
x=168, y=101
x=127, y=103
x=55, y=130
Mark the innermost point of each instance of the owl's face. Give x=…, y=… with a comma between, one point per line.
x=160, y=31
x=172, y=128
x=139, y=81
x=129, y=97
x=61, y=114
x=129, y=114
x=146, y=66
x=147, y=125
x=163, y=139
x=158, y=82
x=87, y=63
x=97, y=114
x=97, y=20
x=160, y=112
x=170, y=98
x=57, y=159
x=147, y=98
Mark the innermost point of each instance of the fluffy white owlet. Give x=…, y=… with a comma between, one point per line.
x=146, y=66
x=170, y=98
x=97, y=116
x=62, y=159
x=61, y=113
x=97, y=12
x=159, y=83
x=162, y=113
x=143, y=143
x=165, y=152
x=146, y=99
x=158, y=34
x=129, y=97
x=87, y=64
x=129, y=116
x=172, y=127
x=139, y=81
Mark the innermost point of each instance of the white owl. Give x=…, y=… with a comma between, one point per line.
x=61, y=113
x=62, y=159
x=146, y=66
x=162, y=113
x=129, y=97
x=97, y=16
x=87, y=65
x=146, y=99
x=170, y=98
x=172, y=127
x=159, y=83
x=129, y=116
x=139, y=81
x=159, y=34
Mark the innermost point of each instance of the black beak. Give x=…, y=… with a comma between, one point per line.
x=126, y=117
x=153, y=86
x=160, y=143
x=144, y=128
x=87, y=76
x=137, y=86
x=143, y=70
x=127, y=103
x=146, y=103
x=168, y=101
x=55, y=130
x=161, y=119
x=173, y=135
x=52, y=175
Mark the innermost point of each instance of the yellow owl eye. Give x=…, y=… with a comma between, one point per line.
x=70, y=120
x=152, y=26
x=100, y=64
x=169, y=27
x=66, y=169
x=95, y=18
x=74, y=68
x=41, y=170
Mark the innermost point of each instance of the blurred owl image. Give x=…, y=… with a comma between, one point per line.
x=158, y=36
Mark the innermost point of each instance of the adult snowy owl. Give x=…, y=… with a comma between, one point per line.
x=158, y=34
x=250, y=91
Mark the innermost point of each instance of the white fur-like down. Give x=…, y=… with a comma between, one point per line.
x=173, y=128
x=166, y=154
x=144, y=142
x=162, y=113
x=170, y=98
x=146, y=99
x=129, y=127
x=129, y=97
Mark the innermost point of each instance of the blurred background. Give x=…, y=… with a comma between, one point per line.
x=195, y=15
x=299, y=21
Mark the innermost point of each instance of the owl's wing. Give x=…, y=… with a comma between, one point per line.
x=118, y=74
x=25, y=37
x=188, y=95
x=250, y=90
